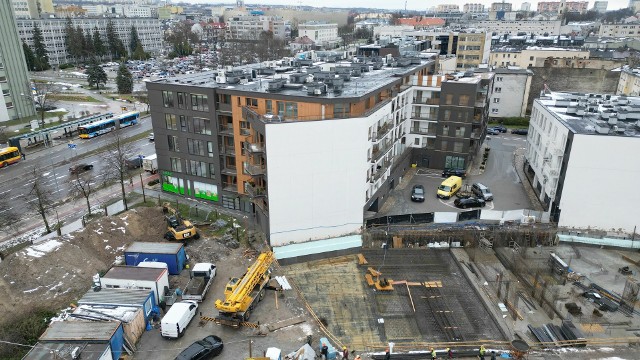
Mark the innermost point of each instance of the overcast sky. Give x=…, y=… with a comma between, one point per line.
x=394, y=4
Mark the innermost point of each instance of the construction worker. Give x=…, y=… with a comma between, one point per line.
x=433, y=354
x=345, y=353
x=387, y=354
x=324, y=351
x=481, y=352
x=449, y=353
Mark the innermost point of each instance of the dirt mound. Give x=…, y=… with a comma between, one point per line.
x=58, y=271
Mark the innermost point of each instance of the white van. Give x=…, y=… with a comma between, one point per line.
x=175, y=321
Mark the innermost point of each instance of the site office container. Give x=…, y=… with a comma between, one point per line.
x=172, y=254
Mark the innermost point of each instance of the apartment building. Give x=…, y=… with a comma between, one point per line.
x=473, y=8
x=473, y=49
x=536, y=27
x=629, y=82
x=560, y=7
x=149, y=31
x=447, y=8
x=31, y=9
x=525, y=6
x=14, y=76
x=533, y=56
x=127, y=10
x=249, y=27
x=501, y=6
x=309, y=150
x=323, y=34
x=510, y=93
x=628, y=30
x=600, y=6
x=576, y=144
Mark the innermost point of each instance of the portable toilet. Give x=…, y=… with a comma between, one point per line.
x=332, y=352
x=274, y=353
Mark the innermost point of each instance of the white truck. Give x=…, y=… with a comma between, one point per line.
x=201, y=276
x=150, y=163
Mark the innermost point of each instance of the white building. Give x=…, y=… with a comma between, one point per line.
x=473, y=8
x=510, y=95
x=629, y=82
x=136, y=277
x=600, y=6
x=124, y=10
x=525, y=6
x=447, y=8
x=249, y=27
x=631, y=30
x=536, y=27
x=149, y=31
x=578, y=143
x=324, y=34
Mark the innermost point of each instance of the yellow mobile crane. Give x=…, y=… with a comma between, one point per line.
x=242, y=294
x=177, y=227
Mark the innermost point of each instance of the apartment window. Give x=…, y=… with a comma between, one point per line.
x=183, y=123
x=447, y=115
x=498, y=89
x=498, y=78
x=199, y=102
x=341, y=110
x=9, y=104
x=251, y=102
x=459, y=131
x=3, y=79
x=463, y=100
x=210, y=151
x=173, y=143
x=448, y=99
x=202, y=126
x=530, y=58
x=212, y=171
x=198, y=168
x=170, y=121
x=196, y=147
x=176, y=164
x=454, y=162
x=225, y=98
x=457, y=146
x=444, y=145
x=288, y=109
x=496, y=100
x=494, y=111
x=167, y=98
x=6, y=92
x=416, y=141
x=445, y=130
x=269, y=106
x=181, y=100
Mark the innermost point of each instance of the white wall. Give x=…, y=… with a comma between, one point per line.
x=599, y=188
x=324, y=194
x=512, y=95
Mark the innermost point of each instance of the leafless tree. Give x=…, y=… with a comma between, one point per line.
x=84, y=184
x=39, y=198
x=41, y=97
x=115, y=160
x=8, y=217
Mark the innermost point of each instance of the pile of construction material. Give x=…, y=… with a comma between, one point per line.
x=550, y=335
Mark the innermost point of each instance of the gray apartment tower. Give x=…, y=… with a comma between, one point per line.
x=14, y=76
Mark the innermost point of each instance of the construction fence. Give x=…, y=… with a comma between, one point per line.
x=481, y=216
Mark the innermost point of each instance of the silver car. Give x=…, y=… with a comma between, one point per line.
x=482, y=192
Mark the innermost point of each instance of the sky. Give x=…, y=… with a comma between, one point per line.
x=394, y=4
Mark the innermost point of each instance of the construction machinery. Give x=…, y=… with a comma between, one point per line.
x=242, y=294
x=177, y=227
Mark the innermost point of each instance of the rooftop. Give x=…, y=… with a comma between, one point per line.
x=80, y=331
x=108, y=296
x=343, y=79
x=595, y=114
x=64, y=351
x=154, y=247
x=134, y=273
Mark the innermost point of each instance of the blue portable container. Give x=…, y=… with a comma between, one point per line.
x=172, y=254
x=332, y=353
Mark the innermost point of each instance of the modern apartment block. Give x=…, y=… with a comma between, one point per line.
x=149, y=31
x=31, y=9
x=576, y=144
x=473, y=49
x=510, y=95
x=249, y=27
x=560, y=7
x=620, y=30
x=14, y=76
x=629, y=82
x=473, y=8
x=309, y=149
x=323, y=34
x=536, y=27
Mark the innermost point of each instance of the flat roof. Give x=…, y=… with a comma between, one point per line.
x=357, y=86
x=134, y=273
x=154, y=247
x=42, y=351
x=80, y=331
x=113, y=296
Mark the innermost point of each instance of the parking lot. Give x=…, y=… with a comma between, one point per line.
x=500, y=176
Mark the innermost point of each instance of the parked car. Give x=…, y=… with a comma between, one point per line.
x=520, y=131
x=500, y=128
x=417, y=194
x=151, y=137
x=207, y=348
x=454, y=172
x=134, y=162
x=482, y=192
x=80, y=168
x=469, y=203
x=492, y=131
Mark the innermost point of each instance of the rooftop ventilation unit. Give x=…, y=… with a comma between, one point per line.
x=298, y=78
x=276, y=85
x=266, y=71
x=316, y=89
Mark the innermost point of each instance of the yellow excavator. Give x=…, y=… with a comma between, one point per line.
x=242, y=294
x=177, y=227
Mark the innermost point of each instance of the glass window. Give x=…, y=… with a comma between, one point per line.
x=212, y=171
x=445, y=130
x=170, y=121
x=448, y=99
x=269, y=106
x=463, y=100
x=251, y=102
x=202, y=126
x=199, y=102
x=447, y=115
x=173, y=143
x=183, y=123
x=181, y=100
x=459, y=131
x=454, y=162
x=444, y=145
x=196, y=147
x=341, y=110
x=198, y=168
x=457, y=146
x=210, y=148
x=176, y=164
x=167, y=98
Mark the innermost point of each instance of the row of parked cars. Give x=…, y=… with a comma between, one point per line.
x=477, y=196
x=497, y=130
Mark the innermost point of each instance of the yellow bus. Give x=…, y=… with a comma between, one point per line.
x=9, y=156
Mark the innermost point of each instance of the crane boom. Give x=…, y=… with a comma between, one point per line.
x=239, y=297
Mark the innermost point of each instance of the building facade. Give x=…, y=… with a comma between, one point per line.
x=249, y=27
x=501, y=6
x=600, y=6
x=14, y=76
x=629, y=30
x=629, y=82
x=447, y=8
x=577, y=143
x=323, y=34
x=534, y=56
x=473, y=49
x=473, y=8
x=560, y=7
x=536, y=27
x=525, y=6
x=53, y=30
x=510, y=93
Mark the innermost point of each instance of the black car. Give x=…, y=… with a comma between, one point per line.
x=417, y=194
x=454, y=172
x=207, y=348
x=500, y=128
x=80, y=168
x=520, y=131
x=469, y=203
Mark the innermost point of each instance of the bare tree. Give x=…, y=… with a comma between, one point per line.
x=8, y=217
x=115, y=160
x=83, y=184
x=39, y=198
x=41, y=97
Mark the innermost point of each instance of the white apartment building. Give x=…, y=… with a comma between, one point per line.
x=149, y=31
x=510, y=95
x=525, y=6
x=629, y=82
x=631, y=30
x=249, y=27
x=25, y=9
x=532, y=56
x=536, y=27
x=324, y=34
x=473, y=8
x=600, y=6
x=576, y=144
x=447, y=8
x=125, y=10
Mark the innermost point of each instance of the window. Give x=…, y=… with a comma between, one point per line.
x=498, y=78
x=176, y=164
x=210, y=151
x=496, y=100
x=3, y=79
x=459, y=131
x=447, y=115
x=173, y=143
x=494, y=111
x=212, y=171
x=198, y=168
x=201, y=126
x=269, y=106
x=196, y=147
x=444, y=145
x=445, y=130
x=448, y=99
x=530, y=58
x=251, y=102
x=167, y=98
x=183, y=123
x=457, y=146
x=170, y=121
x=6, y=92
x=463, y=100
x=9, y=104
x=225, y=98
x=291, y=110
x=341, y=110
x=181, y=100
x=199, y=102
x=498, y=89
x=454, y=162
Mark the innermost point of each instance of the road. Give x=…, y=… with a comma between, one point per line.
x=54, y=162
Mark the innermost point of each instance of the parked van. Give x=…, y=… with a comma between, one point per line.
x=176, y=320
x=449, y=187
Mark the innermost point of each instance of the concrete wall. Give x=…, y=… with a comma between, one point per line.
x=589, y=198
x=596, y=80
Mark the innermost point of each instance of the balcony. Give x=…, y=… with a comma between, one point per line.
x=255, y=191
x=226, y=130
x=255, y=170
x=254, y=148
x=381, y=171
x=481, y=101
x=379, y=150
x=230, y=187
x=423, y=130
x=227, y=150
x=427, y=101
x=383, y=131
x=229, y=170
x=245, y=132
x=476, y=134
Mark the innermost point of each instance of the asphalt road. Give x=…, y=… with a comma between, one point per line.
x=54, y=162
